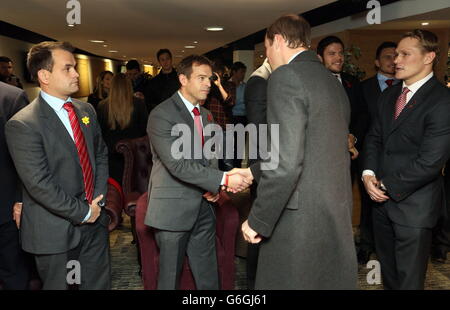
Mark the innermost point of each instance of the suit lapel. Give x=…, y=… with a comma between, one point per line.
x=56, y=128
x=413, y=103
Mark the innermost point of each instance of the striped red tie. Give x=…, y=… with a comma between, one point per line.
x=401, y=102
x=82, y=151
x=198, y=123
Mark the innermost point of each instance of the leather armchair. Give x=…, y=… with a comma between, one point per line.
x=114, y=204
x=227, y=223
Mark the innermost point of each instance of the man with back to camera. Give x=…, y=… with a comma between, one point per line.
x=406, y=148
x=302, y=214
x=57, y=148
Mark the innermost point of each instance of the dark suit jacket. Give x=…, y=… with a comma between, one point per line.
x=12, y=99
x=47, y=162
x=408, y=154
x=359, y=122
x=371, y=92
x=304, y=202
x=177, y=185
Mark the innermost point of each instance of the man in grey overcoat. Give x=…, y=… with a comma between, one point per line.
x=302, y=215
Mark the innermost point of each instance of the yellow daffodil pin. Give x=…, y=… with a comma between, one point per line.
x=85, y=120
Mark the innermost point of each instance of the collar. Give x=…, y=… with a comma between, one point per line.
x=188, y=105
x=415, y=86
x=295, y=55
x=54, y=102
x=383, y=78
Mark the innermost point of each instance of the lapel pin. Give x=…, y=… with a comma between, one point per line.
x=209, y=117
x=85, y=120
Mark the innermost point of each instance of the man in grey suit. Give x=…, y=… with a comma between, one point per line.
x=302, y=215
x=181, y=188
x=57, y=148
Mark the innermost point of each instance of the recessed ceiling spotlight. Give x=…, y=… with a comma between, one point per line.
x=71, y=25
x=112, y=51
x=195, y=42
x=97, y=41
x=189, y=46
x=214, y=28
x=182, y=51
x=425, y=24
x=105, y=45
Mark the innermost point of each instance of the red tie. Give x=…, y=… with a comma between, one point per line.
x=401, y=102
x=389, y=82
x=198, y=123
x=82, y=151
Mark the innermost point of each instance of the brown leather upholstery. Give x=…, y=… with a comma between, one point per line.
x=114, y=207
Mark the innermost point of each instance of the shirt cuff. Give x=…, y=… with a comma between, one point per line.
x=87, y=216
x=367, y=172
x=223, y=179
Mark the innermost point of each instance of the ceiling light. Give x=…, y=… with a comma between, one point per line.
x=189, y=46
x=214, y=28
x=113, y=51
x=195, y=42
x=105, y=45
x=71, y=25
x=425, y=24
x=97, y=41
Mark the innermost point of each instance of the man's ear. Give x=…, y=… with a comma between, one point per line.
x=429, y=58
x=44, y=76
x=320, y=57
x=183, y=79
x=377, y=63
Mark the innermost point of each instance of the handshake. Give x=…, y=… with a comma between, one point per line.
x=236, y=181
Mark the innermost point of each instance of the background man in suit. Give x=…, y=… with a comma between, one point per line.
x=60, y=156
x=255, y=98
x=163, y=85
x=371, y=90
x=6, y=72
x=303, y=209
x=405, y=151
x=183, y=219
x=13, y=268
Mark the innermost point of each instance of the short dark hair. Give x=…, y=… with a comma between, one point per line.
x=237, y=66
x=328, y=41
x=5, y=59
x=428, y=42
x=293, y=28
x=382, y=46
x=185, y=65
x=133, y=64
x=163, y=51
x=40, y=56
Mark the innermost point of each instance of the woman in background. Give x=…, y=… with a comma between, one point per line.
x=121, y=116
x=101, y=89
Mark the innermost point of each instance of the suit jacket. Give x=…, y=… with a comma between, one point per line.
x=371, y=92
x=12, y=99
x=47, y=162
x=304, y=205
x=255, y=98
x=176, y=185
x=359, y=111
x=408, y=154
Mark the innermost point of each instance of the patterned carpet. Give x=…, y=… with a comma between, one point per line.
x=125, y=270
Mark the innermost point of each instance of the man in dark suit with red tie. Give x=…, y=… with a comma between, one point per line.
x=405, y=151
x=57, y=148
x=371, y=90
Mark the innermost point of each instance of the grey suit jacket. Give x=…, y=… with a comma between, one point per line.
x=304, y=206
x=12, y=99
x=47, y=162
x=176, y=186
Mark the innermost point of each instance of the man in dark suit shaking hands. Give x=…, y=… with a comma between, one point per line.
x=57, y=148
x=405, y=151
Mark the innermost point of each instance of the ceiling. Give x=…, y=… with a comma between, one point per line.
x=138, y=28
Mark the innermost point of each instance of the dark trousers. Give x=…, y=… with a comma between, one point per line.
x=93, y=256
x=402, y=252
x=14, y=270
x=199, y=244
